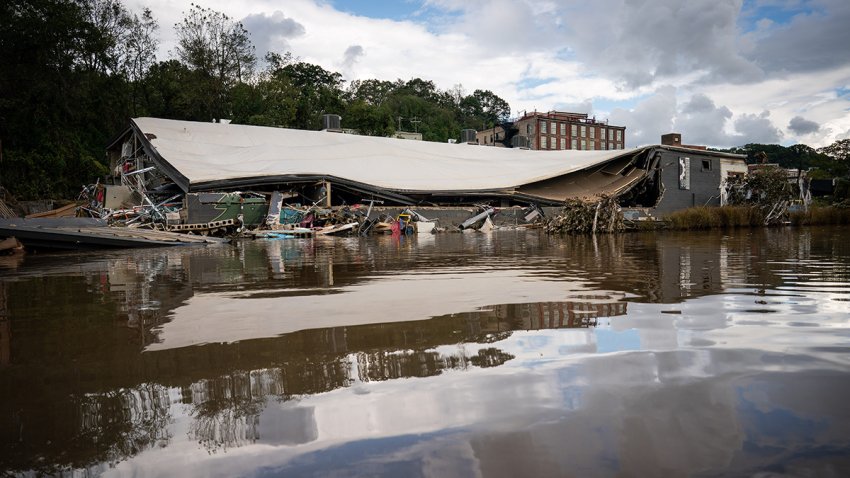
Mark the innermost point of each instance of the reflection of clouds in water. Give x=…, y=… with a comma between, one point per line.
x=465, y=389
x=675, y=410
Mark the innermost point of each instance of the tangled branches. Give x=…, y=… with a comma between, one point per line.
x=580, y=217
x=766, y=189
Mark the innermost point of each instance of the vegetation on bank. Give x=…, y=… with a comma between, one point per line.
x=748, y=216
x=715, y=217
x=822, y=216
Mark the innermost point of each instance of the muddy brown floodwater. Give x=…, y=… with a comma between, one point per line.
x=501, y=354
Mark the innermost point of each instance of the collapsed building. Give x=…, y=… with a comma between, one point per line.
x=163, y=162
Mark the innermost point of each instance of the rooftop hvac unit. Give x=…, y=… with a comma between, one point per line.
x=519, y=141
x=331, y=123
x=467, y=136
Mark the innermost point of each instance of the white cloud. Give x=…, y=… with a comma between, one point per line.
x=719, y=74
x=649, y=119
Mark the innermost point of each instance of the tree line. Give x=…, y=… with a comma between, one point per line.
x=74, y=71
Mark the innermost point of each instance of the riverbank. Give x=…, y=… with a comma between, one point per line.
x=581, y=218
x=743, y=216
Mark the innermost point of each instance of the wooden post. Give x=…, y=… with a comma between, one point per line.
x=328, y=194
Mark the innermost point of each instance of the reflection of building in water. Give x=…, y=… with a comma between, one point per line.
x=231, y=410
x=150, y=286
x=378, y=366
x=124, y=422
x=688, y=271
x=557, y=315
x=226, y=410
x=666, y=267
x=496, y=322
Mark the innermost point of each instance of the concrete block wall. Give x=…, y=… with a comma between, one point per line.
x=704, y=182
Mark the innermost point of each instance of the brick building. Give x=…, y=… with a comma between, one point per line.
x=555, y=130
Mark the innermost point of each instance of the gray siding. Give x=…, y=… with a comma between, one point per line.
x=704, y=182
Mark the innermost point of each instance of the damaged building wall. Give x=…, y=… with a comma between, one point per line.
x=690, y=178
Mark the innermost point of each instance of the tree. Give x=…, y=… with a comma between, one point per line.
x=219, y=50
x=272, y=101
x=170, y=93
x=109, y=25
x=370, y=120
x=373, y=92
x=318, y=92
x=58, y=96
x=494, y=109
x=839, y=150
x=141, y=44
x=839, y=155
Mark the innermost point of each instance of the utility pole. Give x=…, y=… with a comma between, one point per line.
x=415, y=122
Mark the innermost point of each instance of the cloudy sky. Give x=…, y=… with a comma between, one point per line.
x=721, y=72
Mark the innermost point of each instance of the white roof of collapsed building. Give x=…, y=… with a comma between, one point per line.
x=214, y=152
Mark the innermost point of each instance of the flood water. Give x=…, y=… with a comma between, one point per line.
x=511, y=353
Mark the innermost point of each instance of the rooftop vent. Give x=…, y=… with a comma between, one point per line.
x=468, y=136
x=331, y=123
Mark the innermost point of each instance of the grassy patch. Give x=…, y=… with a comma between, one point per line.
x=832, y=215
x=715, y=217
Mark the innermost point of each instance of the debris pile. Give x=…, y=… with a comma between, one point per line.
x=580, y=217
x=766, y=189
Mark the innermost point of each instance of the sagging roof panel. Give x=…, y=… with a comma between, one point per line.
x=212, y=153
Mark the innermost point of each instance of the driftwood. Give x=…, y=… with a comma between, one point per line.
x=582, y=217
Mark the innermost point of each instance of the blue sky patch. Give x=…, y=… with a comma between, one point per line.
x=752, y=12
x=392, y=10
x=608, y=341
x=531, y=82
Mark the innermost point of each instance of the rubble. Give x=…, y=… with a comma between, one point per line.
x=587, y=217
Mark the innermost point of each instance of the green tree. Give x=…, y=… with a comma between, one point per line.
x=318, y=91
x=373, y=92
x=60, y=97
x=838, y=164
x=219, y=51
x=368, y=119
x=141, y=44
